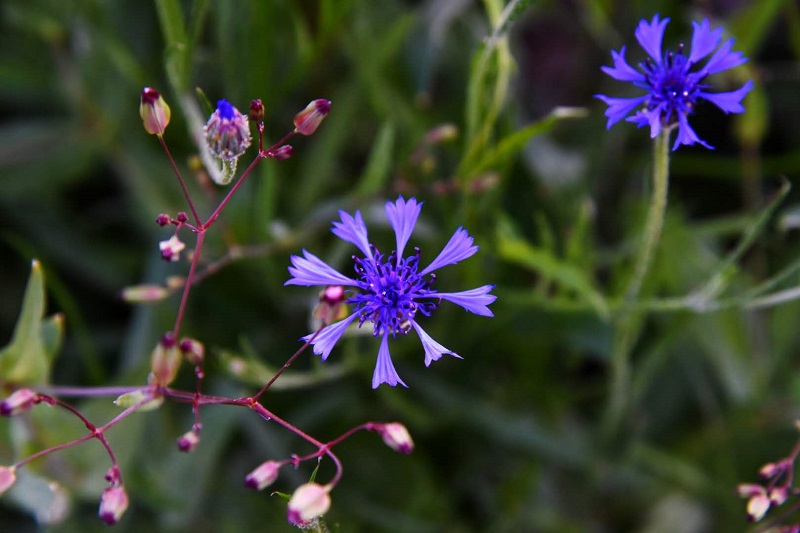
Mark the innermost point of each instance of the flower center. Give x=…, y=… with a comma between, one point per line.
x=390, y=290
x=673, y=89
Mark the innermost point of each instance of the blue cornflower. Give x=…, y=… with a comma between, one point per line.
x=389, y=291
x=672, y=89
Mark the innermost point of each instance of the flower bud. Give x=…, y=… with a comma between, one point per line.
x=778, y=495
x=308, y=120
x=263, y=476
x=308, y=502
x=284, y=152
x=188, y=441
x=193, y=350
x=227, y=132
x=113, y=504
x=144, y=294
x=331, y=304
x=164, y=363
x=20, y=401
x=138, y=397
x=746, y=490
x=8, y=476
x=396, y=437
x=171, y=249
x=162, y=219
x=154, y=111
x=256, y=111
x=757, y=507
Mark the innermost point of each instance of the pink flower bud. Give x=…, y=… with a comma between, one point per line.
x=308, y=502
x=308, y=120
x=747, y=490
x=256, y=111
x=227, y=132
x=757, y=507
x=193, y=350
x=113, y=505
x=396, y=437
x=164, y=363
x=263, y=476
x=188, y=441
x=331, y=304
x=171, y=249
x=144, y=294
x=162, y=220
x=20, y=401
x=8, y=476
x=778, y=495
x=284, y=152
x=154, y=111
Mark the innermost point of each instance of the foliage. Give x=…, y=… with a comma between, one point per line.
x=485, y=112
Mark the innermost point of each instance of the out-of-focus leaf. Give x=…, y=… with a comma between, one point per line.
x=752, y=23
x=751, y=126
x=380, y=162
x=516, y=250
x=28, y=357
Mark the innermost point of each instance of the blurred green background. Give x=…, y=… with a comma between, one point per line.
x=507, y=440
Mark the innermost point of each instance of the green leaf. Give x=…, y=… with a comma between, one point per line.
x=514, y=249
x=28, y=357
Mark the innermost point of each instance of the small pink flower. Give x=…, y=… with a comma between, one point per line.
x=171, y=248
x=188, y=441
x=308, y=120
x=263, y=476
x=308, y=502
x=20, y=401
x=193, y=350
x=113, y=505
x=154, y=111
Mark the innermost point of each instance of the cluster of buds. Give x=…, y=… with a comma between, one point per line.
x=776, y=490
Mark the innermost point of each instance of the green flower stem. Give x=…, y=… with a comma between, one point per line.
x=628, y=320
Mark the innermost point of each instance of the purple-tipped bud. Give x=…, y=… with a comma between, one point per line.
x=778, y=495
x=154, y=111
x=747, y=490
x=308, y=502
x=113, y=475
x=256, y=111
x=144, y=294
x=396, y=436
x=171, y=248
x=284, y=152
x=227, y=132
x=8, y=476
x=188, y=441
x=308, y=120
x=164, y=364
x=113, y=505
x=193, y=350
x=263, y=476
x=182, y=217
x=162, y=220
x=20, y=401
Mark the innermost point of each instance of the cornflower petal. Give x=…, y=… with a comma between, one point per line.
x=312, y=270
x=384, y=368
x=730, y=102
x=458, y=248
x=402, y=217
x=618, y=108
x=724, y=59
x=704, y=40
x=686, y=135
x=622, y=71
x=650, y=36
x=353, y=230
x=433, y=350
x=328, y=336
x=473, y=300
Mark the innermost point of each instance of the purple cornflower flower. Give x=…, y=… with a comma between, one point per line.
x=672, y=89
x=390, y=291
